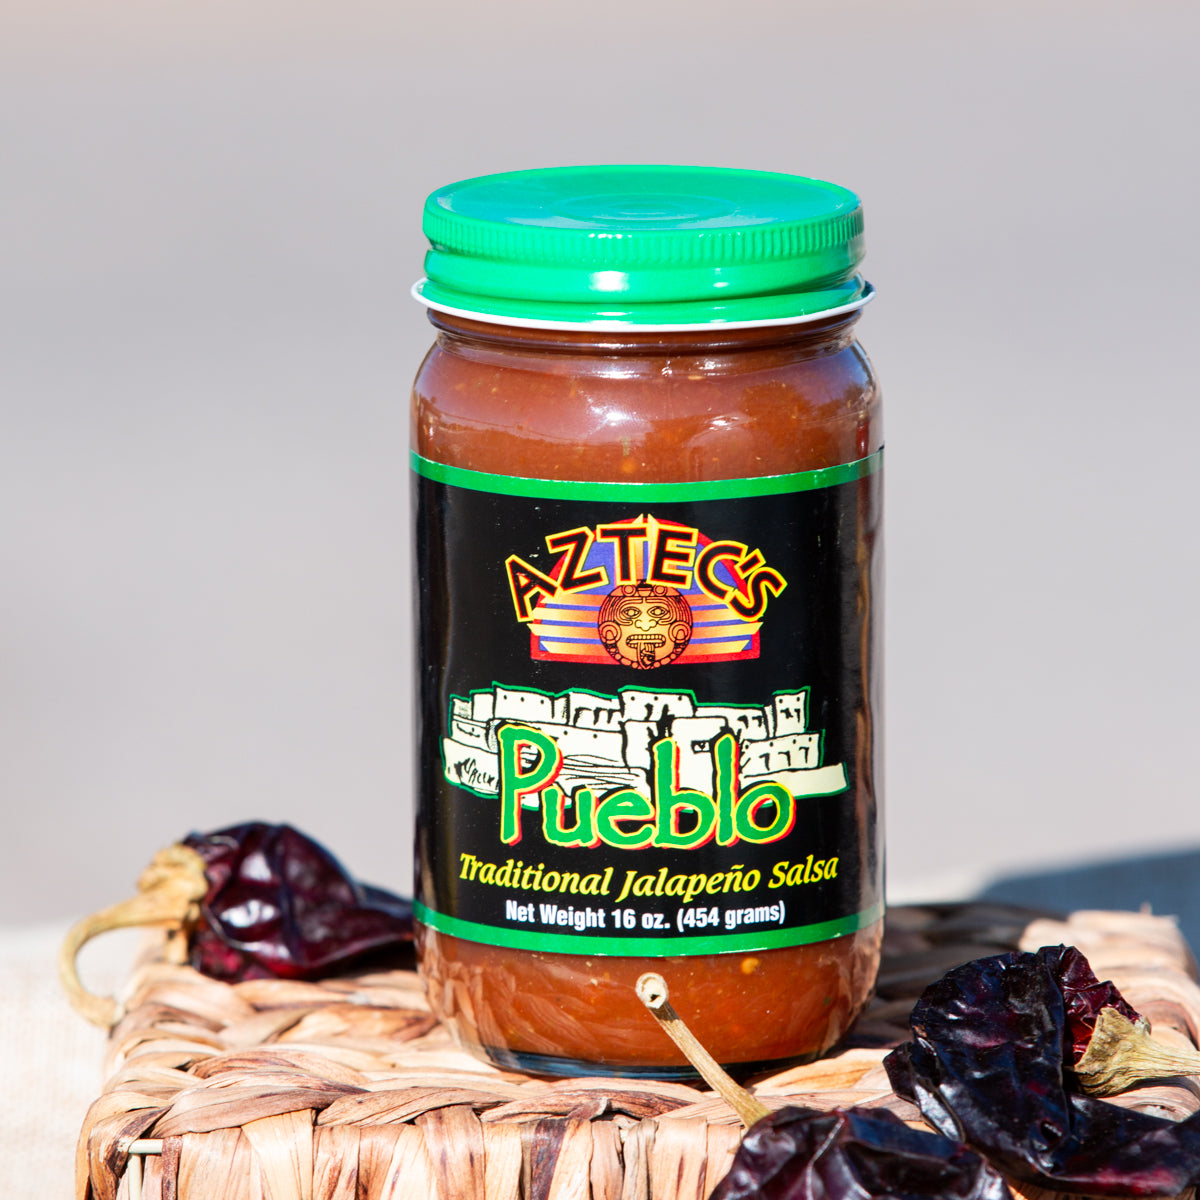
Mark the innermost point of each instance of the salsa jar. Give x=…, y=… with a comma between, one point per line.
x=646, y=459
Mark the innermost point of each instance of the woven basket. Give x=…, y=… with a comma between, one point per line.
x=349, y=1090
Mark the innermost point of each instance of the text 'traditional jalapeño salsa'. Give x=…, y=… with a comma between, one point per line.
x=646, y=454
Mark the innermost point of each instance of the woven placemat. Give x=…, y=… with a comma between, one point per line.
x=349, y=1089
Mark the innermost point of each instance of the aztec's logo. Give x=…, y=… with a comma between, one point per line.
x=644, y=624
x=643, y=592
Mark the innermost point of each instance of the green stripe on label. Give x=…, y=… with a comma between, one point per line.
x=629, y=946
x=715, y=489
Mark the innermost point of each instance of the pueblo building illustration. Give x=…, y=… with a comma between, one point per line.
x=606, y=740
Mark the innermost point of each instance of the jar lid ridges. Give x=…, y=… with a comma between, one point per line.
x=685, y=242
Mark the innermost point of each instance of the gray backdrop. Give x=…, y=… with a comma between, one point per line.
x=209, y=221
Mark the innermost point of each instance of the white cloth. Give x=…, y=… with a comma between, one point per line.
x=51, y=1059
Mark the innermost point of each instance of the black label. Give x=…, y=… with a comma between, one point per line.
x=647, y=717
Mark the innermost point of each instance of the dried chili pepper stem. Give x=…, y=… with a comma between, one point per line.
x=1122, y=1054
x=169, y=893
x=653, y=992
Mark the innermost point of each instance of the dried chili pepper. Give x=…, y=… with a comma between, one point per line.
x=845, y=1154
x=280, y=905
x=1084, y=997
x=250, y=901
x=852, y=1154
x=991, y=1062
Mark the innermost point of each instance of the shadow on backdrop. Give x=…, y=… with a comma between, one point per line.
x=1169, y=884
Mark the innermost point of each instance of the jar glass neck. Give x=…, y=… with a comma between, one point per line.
x=823, y=334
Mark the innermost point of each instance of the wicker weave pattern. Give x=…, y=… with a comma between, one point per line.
x=349, y=1090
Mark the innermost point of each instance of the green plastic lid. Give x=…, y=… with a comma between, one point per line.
x=662, y=246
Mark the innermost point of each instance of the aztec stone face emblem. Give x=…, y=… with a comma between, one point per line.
x=644, y=624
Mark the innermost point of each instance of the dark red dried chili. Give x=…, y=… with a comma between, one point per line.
x=280, y=905
x=990, y=1063
x=853, y=1154
x=251, y=901
x=1083, y=996
x=844, y=1154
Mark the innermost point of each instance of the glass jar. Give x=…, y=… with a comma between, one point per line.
x=646, y=452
